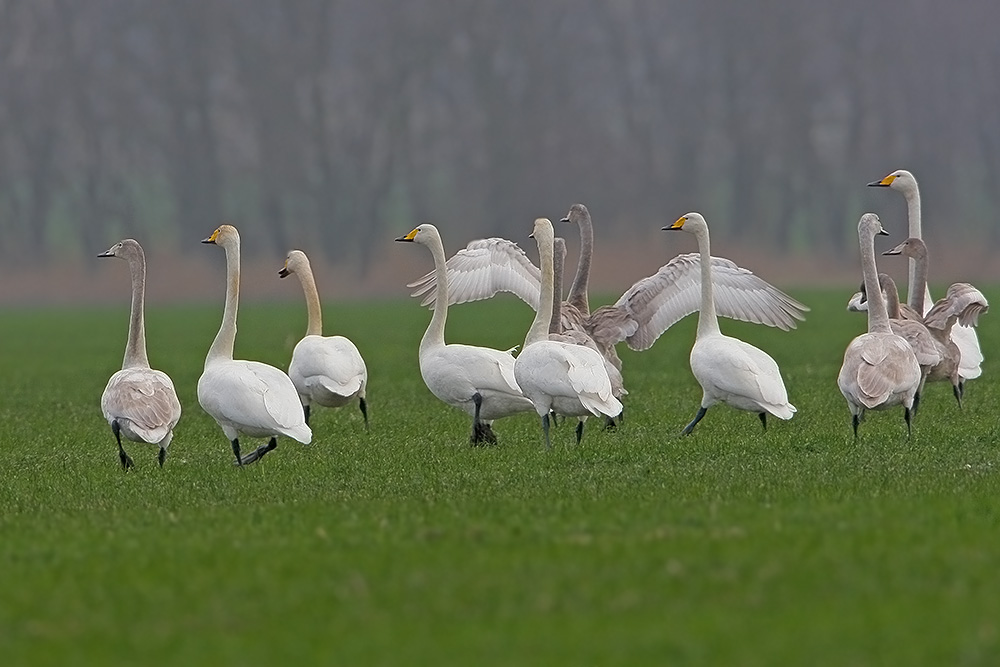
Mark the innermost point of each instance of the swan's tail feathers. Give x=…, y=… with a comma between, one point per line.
x=782, y=411
x=302, y=433
x=598, y=406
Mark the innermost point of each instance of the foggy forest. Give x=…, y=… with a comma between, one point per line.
x=336, y=124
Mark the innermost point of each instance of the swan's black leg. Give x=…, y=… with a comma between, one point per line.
x=855, y=420
x=916, y=403
x=697, y=418
x=908, y=415
x=306, y=410
x=162, y=456
x=236, y=451
x=259, y=453
x=579, y=431
x=481, y=432
x=122, y=455
x=545, y=430
x=957, y=390
x=763, y=419
x=364, y=410
x=554, y=418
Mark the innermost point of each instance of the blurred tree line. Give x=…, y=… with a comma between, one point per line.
x=338, y=123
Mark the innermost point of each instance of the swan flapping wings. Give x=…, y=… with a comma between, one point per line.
x=963, y=302
x=642, y=314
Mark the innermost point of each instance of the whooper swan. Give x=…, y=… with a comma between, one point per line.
x=326, y=370
x=963, y=304
x=880, y=369
x=139, y=402
x=246, y=397
x=643, y=312
x=478, y=380
x=562, y=377
x=903, y=182
x=729, y=370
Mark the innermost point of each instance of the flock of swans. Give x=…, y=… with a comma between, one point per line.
x=568, y=365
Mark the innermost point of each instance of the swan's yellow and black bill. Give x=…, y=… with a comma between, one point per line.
x=884, y=183
x=213, y=237
x=678, y=224
x=409, y=237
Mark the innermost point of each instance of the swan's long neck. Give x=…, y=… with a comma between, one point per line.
x=135, y=349
x=539, y=330
x=891, y=296
x=918, y=284
x=708, y=323
x=434, y=336
x=558, y=259
x=913, y=218
x=222, y=346
x=878, y=316
x=578, y=290
x=313, y=308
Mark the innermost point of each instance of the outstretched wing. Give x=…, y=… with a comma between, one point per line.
x=480, y=270
x=657, y=302
x=963, y=302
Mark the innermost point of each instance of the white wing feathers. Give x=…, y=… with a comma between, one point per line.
x=673, y=292
x=963, y=302
x=483, y=268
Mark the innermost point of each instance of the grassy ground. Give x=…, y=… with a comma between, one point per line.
x=404, y=545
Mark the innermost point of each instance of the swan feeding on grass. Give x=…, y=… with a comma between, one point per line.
x=246, y=397
x=139, y=402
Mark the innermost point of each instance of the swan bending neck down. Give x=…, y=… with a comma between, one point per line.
x=478, y=380
x=880, y=369
x=138, y=401
x=326, y=370
x=558, y=376
x=246, y=397
x=971, y=355
x=729, y=370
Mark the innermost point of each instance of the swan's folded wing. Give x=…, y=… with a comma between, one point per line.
x=480, y=270
x=673, y=292
x=963, y=301
x=143, y=396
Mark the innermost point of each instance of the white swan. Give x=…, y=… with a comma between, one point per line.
x=880, y=369
x=963, y=304
x=643, y=312
x=905, y=183
x=478, y=380
x=246, y=397
x=557, y=376
x=138, y=401
x=729, y=370
x=326, y=370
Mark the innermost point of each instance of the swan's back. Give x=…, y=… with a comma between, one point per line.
x=879, y=370
x=252, y=398
x=566, y=372
x=740, y=374
x=146, y=399
x=327, y=365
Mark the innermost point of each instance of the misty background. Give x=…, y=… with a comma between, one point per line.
x=336, y=125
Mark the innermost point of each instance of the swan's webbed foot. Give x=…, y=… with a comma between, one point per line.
x=482, y=434
x=763, y=419
x=258, y=453
x=364, y=410
x=609, y=424
x=697, y=418
x=122, y=454
x=162, y=456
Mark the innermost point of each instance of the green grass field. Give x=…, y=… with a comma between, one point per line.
x=404, y=545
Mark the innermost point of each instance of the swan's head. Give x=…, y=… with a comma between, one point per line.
x=296, y=262
x=900, y=180
x=225, y=236
x=859, y=302
x=577, y=214
x=543, y=231
x=869, y=226
x=424, y=234
x=911, y=247
x=125, y=249
x=692, y=223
